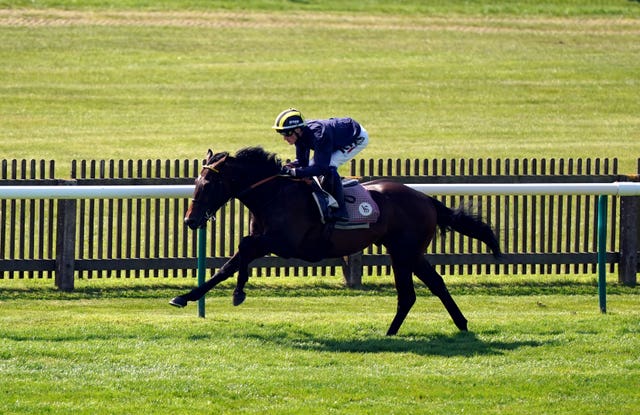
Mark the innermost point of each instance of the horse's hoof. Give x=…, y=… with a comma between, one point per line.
x=462, y=326
x=238, y=297
x=178, y=302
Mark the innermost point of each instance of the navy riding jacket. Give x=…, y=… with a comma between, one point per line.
x=324, y=137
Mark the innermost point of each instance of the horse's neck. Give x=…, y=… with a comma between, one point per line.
x=280, y=194
x=259, y=194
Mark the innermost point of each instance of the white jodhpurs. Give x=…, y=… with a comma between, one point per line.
x=346, y=153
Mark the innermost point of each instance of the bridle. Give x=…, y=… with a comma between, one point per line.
x=214, y=167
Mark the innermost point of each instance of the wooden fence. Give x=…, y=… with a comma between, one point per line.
x=103, y=238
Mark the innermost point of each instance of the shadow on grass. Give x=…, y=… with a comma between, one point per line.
x=465, y=344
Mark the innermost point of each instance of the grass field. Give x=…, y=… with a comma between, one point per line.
x=97, y=79
x=136, y=80
x=302, y=345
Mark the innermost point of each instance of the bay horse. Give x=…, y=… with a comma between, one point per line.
x=286, y=222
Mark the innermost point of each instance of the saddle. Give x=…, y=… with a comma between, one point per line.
x=361, y=207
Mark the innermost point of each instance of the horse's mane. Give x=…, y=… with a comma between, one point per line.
x=260, y=159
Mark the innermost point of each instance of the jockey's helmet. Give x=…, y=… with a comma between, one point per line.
x=288, y=119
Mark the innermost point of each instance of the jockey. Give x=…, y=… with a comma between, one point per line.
x=334, y=141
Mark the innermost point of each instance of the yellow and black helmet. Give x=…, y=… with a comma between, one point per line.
x=288, y=119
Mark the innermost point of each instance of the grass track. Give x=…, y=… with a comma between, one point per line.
x=322, y=352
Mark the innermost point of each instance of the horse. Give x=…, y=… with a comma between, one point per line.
x=286, y=222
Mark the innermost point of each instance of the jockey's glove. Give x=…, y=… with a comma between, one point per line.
x=289, y=171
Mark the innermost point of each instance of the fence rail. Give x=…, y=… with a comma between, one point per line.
x=144, y=236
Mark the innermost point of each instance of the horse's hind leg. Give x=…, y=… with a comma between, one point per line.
x=435, y=283
x=406, y=294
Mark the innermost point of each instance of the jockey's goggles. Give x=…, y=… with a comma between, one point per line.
x=287, y=133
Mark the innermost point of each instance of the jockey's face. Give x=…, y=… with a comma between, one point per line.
x=293, y=137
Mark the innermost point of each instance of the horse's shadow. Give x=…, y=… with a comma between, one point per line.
x=465, y=344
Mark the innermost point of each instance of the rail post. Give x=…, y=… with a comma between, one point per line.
x=352, y=270
x=66, y=241
x=202, y=261
x=602, y=252
x=629, y=239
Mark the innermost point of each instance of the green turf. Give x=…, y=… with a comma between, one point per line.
x=98, y=79
x=114, y=83
x=322, y=352
x=482, y=7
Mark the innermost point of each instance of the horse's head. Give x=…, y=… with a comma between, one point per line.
x=224, y=177
x=211, y=192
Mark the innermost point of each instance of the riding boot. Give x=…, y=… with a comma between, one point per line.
x=334, y=186
x=320, y=196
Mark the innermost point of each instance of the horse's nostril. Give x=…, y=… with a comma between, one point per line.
x=194, y=223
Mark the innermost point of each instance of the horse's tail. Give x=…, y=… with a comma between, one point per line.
x=466, y=223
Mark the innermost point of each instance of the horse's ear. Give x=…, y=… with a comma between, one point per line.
x=209, y=154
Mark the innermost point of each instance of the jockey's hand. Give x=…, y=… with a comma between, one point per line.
x=289, y=171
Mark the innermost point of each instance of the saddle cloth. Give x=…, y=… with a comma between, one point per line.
x=361, y=207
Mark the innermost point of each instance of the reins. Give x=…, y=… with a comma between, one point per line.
x=256, y=184
x=214, y=168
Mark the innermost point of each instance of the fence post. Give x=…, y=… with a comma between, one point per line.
x=202, y=264
x=602, y=252
x=629, y=236
x=66, y=241
x=352, y=270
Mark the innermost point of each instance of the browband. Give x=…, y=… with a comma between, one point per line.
x=214, y=166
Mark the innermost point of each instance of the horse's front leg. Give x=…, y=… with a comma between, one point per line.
x=252, y=247
x=226, y=271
